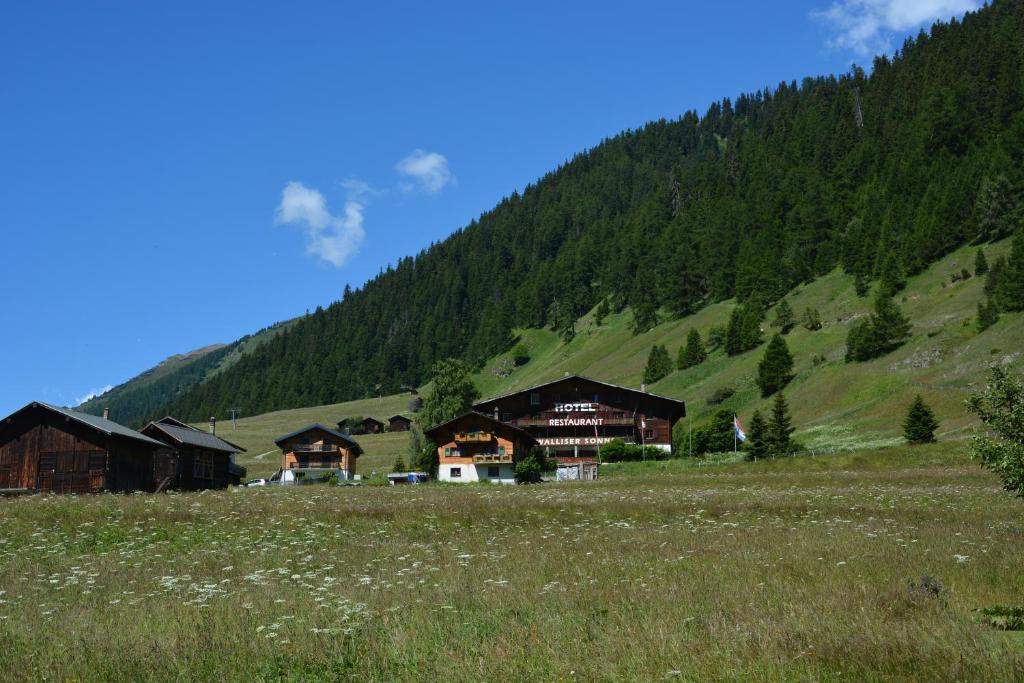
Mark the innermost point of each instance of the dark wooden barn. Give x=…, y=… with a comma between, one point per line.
x=399, y=423
x=373, y=426
x=205, y=461
x=48, y=448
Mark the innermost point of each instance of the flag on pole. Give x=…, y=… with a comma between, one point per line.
x=741, y=433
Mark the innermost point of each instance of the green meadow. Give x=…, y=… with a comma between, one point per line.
x=864, y=566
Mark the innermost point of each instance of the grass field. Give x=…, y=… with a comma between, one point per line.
x=796, y=569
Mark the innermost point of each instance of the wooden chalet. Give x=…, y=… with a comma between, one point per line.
x=574, y=416
x=399, y=423
x=316, y=449
x=48, y=448
x=476, y=447
x=372, y=426
x=205, y=461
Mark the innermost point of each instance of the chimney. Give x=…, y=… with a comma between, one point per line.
x=106, y=413
x=213, y=425
x=643, y=387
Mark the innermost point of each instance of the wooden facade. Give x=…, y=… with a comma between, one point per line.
x=47, y=448
x=317, y=447
x=574, y=416
x=476, y=447
x=205, y=461
x=399, y=423
x=372, y=426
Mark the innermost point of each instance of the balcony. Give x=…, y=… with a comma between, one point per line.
x=473, y=437
x=314, y=448
x=492, y=458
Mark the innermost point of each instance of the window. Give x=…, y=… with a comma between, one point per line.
x=506, y=417
x=456, y=472
x=648, y=434
x=493, y=472
x=202, y=466
x=501, y=450
x=534, y=399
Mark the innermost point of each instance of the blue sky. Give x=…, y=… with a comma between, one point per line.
x=178, y=174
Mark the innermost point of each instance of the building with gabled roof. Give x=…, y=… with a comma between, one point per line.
x=49, y=448
x=572, y=417
x=476, y=447
x=399, y=423
x=317, y=449
x=205, y=461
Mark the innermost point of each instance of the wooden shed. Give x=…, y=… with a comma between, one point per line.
x=399, y=423
x=372, y=426
x=48, y=448
x=205, y=461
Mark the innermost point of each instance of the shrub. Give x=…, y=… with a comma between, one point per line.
x=528, y=470
x=883, y=331
x=716, y=436
x=1000, y=405
x=520, y=354
x=812, y=319
x=784, y=317
x=720, y=395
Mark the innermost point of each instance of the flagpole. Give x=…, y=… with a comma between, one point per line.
x=735, y=436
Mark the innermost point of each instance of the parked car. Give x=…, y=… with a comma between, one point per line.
x=256, y=482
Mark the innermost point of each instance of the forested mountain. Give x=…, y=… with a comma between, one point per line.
x=148, y=394
x=887, y=171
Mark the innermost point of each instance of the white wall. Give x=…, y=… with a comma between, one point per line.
x=471, y=472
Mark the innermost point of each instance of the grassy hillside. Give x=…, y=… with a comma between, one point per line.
x=835, y=404
x=753, y=572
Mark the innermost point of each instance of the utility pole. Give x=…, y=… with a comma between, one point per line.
x=234, y=415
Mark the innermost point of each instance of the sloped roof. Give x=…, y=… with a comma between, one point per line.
x=399, y=417
x=316, y=425
x=195, y=437
x=585, y=379
x=473, y=413
x=100, y=424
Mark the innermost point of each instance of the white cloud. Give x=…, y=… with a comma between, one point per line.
x=93, y=394
x=428, y=171
x=867, y=26
x=334, y=239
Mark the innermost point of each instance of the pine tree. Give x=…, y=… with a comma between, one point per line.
x=812, y=319
x=784, y=317
x=892, y=277
x=988, y=314
x=780, y=427
x=744, y=330
x=693, y=353
x=398, y=465
x=883, y=331
x=994, y=281
x=1011, y=284
x=603, y=309
x=920, y=424
x=994, y=208
x=861, y=285
x=757, y=445
x=659, y=364
x=776, y=367
x=980, y=263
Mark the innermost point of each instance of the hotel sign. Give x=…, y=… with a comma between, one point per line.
x=575, y=407
x=574, y=441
